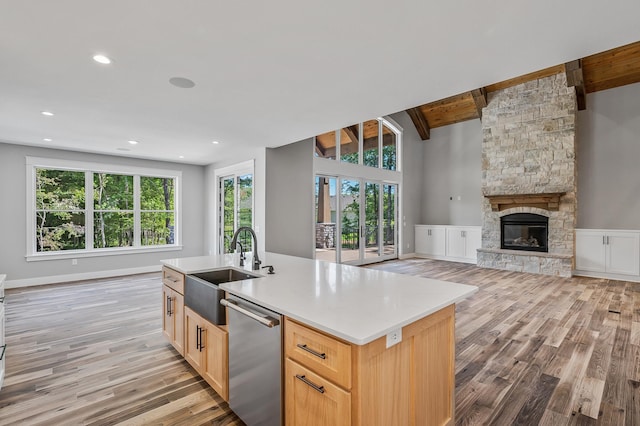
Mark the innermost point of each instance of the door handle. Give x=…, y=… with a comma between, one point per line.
x=169, y=313
x=200, y=333
x=266, y=321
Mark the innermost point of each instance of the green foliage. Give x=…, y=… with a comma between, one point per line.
x=60, y=214
x=60, y=201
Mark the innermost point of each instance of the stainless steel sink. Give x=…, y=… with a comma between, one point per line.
x=202, y=294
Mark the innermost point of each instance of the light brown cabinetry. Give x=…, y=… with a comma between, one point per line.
x=173, y=308
x=207, y=350
x=332, y=382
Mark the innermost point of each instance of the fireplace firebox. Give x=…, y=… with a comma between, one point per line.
x=524, y=231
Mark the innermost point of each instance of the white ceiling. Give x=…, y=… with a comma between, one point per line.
x=267, y=73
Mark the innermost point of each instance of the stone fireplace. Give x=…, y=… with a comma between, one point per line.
x=529, y=168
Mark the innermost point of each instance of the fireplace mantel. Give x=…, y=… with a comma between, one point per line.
x=547, y=201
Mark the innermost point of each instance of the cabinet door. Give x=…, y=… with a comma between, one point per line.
x=590, y=250
x=430, y=241
x=473, y=241
x=455, y=242
x=622, y=253
x=3, y=345
x=216, y=371
x=422, y=235
x=194, y=336
x=311, y=400
x=177, y=312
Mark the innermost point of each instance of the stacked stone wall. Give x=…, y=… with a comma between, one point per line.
x=529, y=146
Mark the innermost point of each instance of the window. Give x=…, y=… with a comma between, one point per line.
x=373, y=143
x=94, y=209
x=235, y=205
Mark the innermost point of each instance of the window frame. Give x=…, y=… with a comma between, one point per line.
x=33, y=163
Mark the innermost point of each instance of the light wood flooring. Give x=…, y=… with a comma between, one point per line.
x=530, y=350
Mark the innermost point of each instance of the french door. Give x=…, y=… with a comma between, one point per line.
x=362, y=224
x=235, y=210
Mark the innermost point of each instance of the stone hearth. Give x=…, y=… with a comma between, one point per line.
x=528, y=157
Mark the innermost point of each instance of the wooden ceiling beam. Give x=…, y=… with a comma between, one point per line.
x=575, y=79
x=480, y=99
x=352, y=132
x=420, y=121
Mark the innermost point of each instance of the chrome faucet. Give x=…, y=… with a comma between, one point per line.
x=234, y=241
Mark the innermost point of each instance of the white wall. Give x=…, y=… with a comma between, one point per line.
x=411, y=192
x=451, y=170
x=290, y=199
x=13, y=218
x=609, y=159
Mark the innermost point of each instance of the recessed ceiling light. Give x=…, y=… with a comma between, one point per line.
x=101, y=59
x=47, y=140
x=133, y=142
x=47, y=113
x=181, y=82
x=215, y=142
x=182, y=156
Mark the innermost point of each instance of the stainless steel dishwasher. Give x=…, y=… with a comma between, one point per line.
x=255, y=362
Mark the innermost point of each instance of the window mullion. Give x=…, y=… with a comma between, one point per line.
x=137, y=226
x=88, y=210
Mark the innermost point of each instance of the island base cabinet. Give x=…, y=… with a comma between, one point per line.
x=173, y=318
x=410, y=383
x=312, y=400
x=207, y=350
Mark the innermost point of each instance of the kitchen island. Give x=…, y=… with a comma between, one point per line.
x=361, y=346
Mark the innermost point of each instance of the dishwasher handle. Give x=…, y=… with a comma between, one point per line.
x=266, y=321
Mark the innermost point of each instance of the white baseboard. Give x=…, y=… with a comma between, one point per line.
x=29, y=282
x=406, y=256
x=617, y=277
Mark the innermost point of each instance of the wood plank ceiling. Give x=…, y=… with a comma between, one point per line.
x=606, y=70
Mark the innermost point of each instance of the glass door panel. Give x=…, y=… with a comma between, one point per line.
x=371, y=231
x=389, y=237
x=245, y=209
x=236, y=210
x=350, y=220
x=227, y=185
x=325, y=220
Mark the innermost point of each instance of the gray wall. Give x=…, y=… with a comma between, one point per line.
x=609, y=159
x=289, y=199
x=411, y=196
x=13, y=217
x=451, y=169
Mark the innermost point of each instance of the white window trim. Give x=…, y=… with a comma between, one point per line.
x=239, y=169
x=32, y=163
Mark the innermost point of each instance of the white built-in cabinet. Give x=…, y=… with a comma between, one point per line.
x=612, y=252
x=457, y=243
x=430, y=240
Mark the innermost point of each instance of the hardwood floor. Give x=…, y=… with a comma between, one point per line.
x=531, y=349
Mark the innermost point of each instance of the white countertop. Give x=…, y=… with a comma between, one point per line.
x=355, y=304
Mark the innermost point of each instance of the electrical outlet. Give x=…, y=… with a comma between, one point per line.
x=74, y=261
x=394, y=337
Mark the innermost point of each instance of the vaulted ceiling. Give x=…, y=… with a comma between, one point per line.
x=606, y=70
